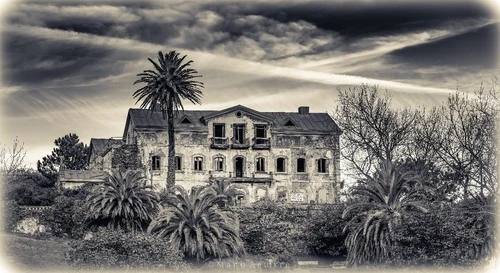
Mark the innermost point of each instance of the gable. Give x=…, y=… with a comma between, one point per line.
x=239, y=111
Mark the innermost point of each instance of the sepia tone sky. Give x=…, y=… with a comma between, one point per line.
x=68, y=66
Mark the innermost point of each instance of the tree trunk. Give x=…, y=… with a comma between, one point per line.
x=171, y=148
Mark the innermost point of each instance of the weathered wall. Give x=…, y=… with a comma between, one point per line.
x=308, y=186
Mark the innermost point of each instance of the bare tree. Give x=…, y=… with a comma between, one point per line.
x=372, y=131
x=462, y=135
x=12, y=158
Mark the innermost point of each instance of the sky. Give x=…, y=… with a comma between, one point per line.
x=69, y=66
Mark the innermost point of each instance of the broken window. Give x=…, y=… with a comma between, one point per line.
x=219, y=130
x=260, y=165
x=198, y=163
x=155, y=163
x=322, y=165
x=219, y=164
x=301, y=165
x=280, y=165
x=239, y=133
x=178, y=163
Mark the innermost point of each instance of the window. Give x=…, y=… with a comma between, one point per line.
x=155, y=163
x=280, y=165
x=178, y=163
x=219, y=164
x=260, y=131
x=186, y=121
x=239, y=133
x=198, y=163
x=322, y=165
x=219, y=130
x=260, y=165
x=301, y=165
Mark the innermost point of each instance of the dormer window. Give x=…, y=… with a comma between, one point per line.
x=289, y=123
x=186, y=121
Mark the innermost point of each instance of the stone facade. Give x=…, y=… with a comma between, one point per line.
x=291, y=157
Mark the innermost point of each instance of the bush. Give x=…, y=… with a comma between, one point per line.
x=67, y=218
x=272, y=230
x=325, y=236
x=447, y=236
x=116, y=249
x=11, y=215
x=30, y=189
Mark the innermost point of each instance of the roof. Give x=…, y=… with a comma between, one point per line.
x=102, y=145
x=311, y=122
x=68, y=176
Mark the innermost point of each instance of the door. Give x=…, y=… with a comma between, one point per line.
x=238, y=167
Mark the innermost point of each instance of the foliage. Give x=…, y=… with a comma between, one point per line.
x=67, y=217
x=117, y=249
x=70, y=153
x=12, y=159
x=29, y=188
x=124, y=201
x=11, y=215
x=126, y=158
x=171, y=81
x=374, y=218
x=325, y=234
x=273, y=230
x=450, y=235
x=223, y=187
x=194, y=224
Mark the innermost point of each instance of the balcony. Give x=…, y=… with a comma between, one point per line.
x=261, y=143
x=219, y=143
x=266, y=178
x=240, y=143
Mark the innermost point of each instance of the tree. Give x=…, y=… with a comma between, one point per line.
x=70, y=153
x=165, y=87
x=194, y=224
x=384, y=200
x=124, y=201
x=12, y=159
x=462, y=136
x=224, y=187
x=372, y=131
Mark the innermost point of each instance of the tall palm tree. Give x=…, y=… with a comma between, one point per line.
x=194, y=224
x=124, y=201
x=382, y=201
x=171, y=81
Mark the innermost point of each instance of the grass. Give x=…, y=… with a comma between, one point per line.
x=24, y=253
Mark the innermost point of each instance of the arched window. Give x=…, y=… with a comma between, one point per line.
x=260, y=164
x=322, y=165
x=198, y=163
x=219, y=163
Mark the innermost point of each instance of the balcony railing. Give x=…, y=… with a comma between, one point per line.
x=240, y=143
x=261, y=143
x=219, y=143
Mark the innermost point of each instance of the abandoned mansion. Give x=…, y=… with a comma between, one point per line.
x=285, y=156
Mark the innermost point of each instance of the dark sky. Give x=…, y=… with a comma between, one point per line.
x=68, y=66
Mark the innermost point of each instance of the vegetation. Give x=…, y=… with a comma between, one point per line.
x=124, y=201
x=118, y=249
x=29, y=188
x=382, y=202
x=171, y=81
x=70, y=153
x=12, y=159
x=194, y=224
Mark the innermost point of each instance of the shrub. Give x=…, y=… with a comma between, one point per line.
x=11, y=215
x=273, y=230
x=30, y=189
x=325, y=234
x=67, y=218
x=117, y=249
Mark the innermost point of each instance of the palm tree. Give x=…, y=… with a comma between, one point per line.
x=123, y=202
x=196, y=226
x=165, y=87
x=382, y=201
x=224, y=187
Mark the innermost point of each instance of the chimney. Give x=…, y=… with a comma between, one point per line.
x=304, y=110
